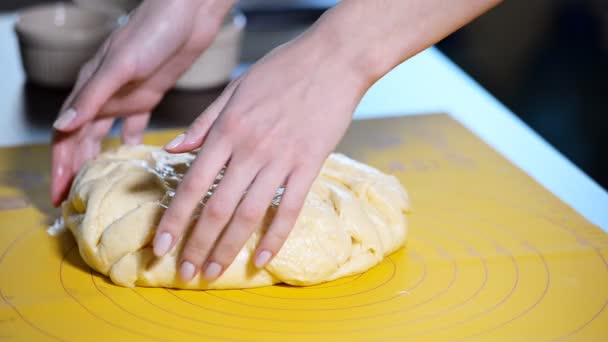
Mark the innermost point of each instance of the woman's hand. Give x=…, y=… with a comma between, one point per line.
x=276, y=124
x=128, y=77
x=273, y=126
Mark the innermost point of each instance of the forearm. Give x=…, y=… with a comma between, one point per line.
x=375, y=36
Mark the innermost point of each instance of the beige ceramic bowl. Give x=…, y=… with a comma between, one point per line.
x=216, y=65
x=57, y=39
x=109, y=6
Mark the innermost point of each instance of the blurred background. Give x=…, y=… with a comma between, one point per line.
x=547, y=60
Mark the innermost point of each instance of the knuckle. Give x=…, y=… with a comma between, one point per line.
x=232, y=124
x=190, y=187
x=289, y=210
x=250, y=213
x=265, y=146
x=215, y=210
x=121, y=63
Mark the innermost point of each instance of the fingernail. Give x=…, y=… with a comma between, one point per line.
x=212, y=271
x=176, y=141
x=262, y=258
x=162, y=243
x=64, y=120
x=186, y=271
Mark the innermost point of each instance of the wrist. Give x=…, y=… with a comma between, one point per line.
x=335, y=36
x=334, y=59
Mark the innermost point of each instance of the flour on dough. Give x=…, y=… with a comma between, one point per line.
x=353, y=217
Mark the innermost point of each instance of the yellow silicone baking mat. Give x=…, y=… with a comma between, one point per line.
x=491, y=256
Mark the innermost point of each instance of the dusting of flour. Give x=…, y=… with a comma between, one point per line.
x=57, y=227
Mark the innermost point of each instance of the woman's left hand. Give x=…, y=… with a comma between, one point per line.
x=273, y=126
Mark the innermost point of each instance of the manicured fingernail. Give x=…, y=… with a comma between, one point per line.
x=162, y=243
x=176, y=141
x=212, y=271
x=262, y=258
x=186, y=271
x=64, y=120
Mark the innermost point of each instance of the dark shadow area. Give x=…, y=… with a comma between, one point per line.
x=71, y=255
x=547, y=60
x=41, y=104
x=177, y=109
x=180, y=107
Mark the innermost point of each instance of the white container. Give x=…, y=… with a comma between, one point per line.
x=216, y=65
x=57, y=39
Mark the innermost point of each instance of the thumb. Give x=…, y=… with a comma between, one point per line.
x=91, y=97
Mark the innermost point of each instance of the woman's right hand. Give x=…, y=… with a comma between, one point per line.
x=128, y=77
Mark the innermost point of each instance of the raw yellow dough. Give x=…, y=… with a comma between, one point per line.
x=352, y=218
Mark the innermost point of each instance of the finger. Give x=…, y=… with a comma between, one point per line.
x=84, y=75
x=195, y=135
x=139, y=98
x=99, y=130
x=61, y=169
x=214, y=217
x=133, y=98
x=96, y=91
x=133, y=127
x=248, y=216
x=89, y=143
x=65, y=144
x=190, y=191
x=296, y=189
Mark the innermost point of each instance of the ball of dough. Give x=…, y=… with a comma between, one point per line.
x=353, y=216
